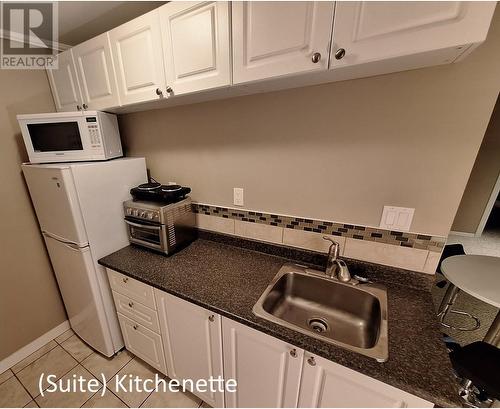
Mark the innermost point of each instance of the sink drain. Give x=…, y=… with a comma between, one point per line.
x=318, y=324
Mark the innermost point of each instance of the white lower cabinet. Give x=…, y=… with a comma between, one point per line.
x=195, y=343
x=326, y=384
x=266, y=369
x=192, y=343
x=144, y=343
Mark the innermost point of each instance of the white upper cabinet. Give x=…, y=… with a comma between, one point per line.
x=96, y=74
x=138, y=58
x=325, y=384
x=371, y=31
x=266, y=369
x=196, y=45
x=192, y=341
x=271, y=39
x=64, y=83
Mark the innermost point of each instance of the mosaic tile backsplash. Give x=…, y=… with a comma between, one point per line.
x=397, y=238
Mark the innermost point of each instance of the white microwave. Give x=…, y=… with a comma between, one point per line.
x=71, y=136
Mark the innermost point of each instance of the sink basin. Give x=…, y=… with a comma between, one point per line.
x=351, y=315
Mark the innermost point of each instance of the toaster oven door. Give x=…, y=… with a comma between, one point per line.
x=148, y=235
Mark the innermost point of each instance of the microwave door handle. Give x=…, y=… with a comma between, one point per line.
x=143, y=226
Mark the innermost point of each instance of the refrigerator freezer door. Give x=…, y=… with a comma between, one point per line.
x=56, y=204
x=76, y=277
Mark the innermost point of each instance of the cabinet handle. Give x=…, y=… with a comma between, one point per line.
x=169, y=90
x=293, y=353
x=85, y=106
x=159, y=92
x=78, y=107
x=211, y=318
x=135, y=327
x=316, y=57
x=130, y=304
x=311, y=361
x=339, y=54
x=125, y=279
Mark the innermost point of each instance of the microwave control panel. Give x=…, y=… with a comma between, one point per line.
x=94, y=133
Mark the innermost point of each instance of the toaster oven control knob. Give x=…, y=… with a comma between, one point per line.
x=129, y=211
x=143, y=214
x=135, y=212
x=150, y=216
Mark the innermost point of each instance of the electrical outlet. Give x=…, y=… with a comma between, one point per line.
x=397, y=218
x=238, y=196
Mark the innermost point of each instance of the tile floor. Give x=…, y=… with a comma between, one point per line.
x=67, y=357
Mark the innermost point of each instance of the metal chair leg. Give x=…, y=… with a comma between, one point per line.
x=445, y=308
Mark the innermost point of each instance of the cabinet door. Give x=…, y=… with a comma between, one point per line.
x=138, y=58
x=266, y=369
x=325, y=384
x=278, y=38
x=192, y=342
x=94, y=66
x=143, y=343
x=196, y=45
x=371, y=31
x=64, y=83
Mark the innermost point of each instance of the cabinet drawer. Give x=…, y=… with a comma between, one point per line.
x=137, y=312
x=131, y=288
x=143, y=343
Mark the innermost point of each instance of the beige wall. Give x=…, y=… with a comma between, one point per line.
x=30, y=304
x=337, y=151
x=482, y=179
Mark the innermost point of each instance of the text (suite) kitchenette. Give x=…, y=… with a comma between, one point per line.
x=258, y=193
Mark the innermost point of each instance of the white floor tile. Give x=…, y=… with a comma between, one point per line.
x=12, y=394
x=57, y=361
x=77, y=348
x=138, y=368
x=100, y=365
x=33, y=357
x=72, y=399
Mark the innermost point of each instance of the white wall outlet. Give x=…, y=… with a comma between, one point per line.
x=238, y=196
x=397, y=218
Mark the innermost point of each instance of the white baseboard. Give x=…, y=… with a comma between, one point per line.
x=26, y=350
x=462, y=233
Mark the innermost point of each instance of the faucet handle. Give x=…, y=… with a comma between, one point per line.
x=334, y=247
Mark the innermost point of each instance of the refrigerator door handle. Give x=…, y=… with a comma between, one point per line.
x=69, y=244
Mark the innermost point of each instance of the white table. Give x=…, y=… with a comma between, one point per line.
x=478, y=276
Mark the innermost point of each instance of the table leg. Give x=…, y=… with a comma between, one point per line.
x=448, y=299
x=493, y=335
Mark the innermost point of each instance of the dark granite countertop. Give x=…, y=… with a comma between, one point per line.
x=229, y=280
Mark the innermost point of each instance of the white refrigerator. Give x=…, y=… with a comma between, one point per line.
x=79, y=208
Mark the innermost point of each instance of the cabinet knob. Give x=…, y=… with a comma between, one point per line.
x=125, y=279
x=339, y=54
x=78, y=107
x=316, y=57
x=293, y=353
x=159, y=92
x=311, y=361
x=211, y=318
x=169, y=90
x=135, y=326
x=130, y=304
x=85, y=106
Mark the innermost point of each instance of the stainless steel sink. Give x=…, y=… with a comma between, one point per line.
x=351, y=315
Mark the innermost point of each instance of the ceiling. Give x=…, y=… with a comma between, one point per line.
x=82, y=20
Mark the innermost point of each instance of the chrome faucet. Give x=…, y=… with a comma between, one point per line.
x=336, y=268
